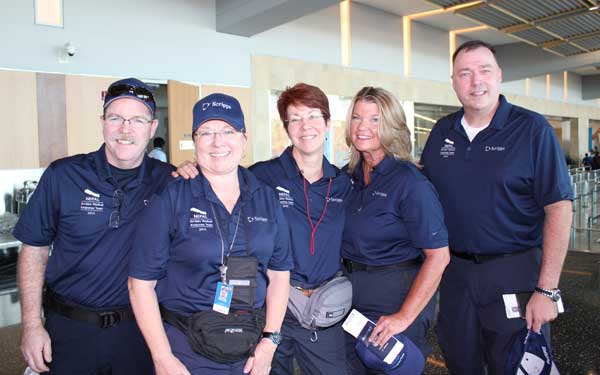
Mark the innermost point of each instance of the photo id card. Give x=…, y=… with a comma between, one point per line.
x=515, y=304
x=223, y=298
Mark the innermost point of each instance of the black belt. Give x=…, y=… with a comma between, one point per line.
x=482, y=258
x=103, y=319
x=352, y=266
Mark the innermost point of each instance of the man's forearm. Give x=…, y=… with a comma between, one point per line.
x=557, y=226
x=31, y=267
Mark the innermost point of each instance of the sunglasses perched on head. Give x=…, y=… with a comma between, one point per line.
x=139, y=92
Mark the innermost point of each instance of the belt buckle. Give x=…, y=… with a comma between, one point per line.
x=109, y=319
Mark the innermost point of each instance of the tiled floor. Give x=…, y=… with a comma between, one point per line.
x=575, y=335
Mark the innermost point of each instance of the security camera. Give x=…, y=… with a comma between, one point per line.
x=70, y=49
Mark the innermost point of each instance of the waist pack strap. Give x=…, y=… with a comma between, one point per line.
x=179, y=321
x=102, y=319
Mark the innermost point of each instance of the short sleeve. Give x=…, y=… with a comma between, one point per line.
x=37, y=225
x=551, y=176
x=423, y=216
x=281, y=259
x=152, y=239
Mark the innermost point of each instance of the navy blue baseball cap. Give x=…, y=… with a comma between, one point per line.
x=530, y=355
x=409, y=361
x=219, y=107
x=130, y=88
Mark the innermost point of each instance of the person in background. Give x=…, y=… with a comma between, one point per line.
x=157, y=152
x=185, y=245
x=506, y=193
x=587, y=160
x=85, y=207
x=395, y=244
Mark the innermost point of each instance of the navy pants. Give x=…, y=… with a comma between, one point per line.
x=80, y=348
x=377, y=293
x=195, y=363
x=326, y=355
x=473, y=330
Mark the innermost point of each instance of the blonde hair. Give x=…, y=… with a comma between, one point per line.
x=393, y=132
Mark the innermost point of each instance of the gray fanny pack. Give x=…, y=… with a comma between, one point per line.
x=327, y=305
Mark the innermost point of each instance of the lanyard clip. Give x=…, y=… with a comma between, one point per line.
x=223, y=270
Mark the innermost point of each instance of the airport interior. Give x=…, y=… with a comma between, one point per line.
x=58, y=57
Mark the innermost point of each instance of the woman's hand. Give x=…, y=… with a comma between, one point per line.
x=170, y=365
x=187, y=170
x=260, y=363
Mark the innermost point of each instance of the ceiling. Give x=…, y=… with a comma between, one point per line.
x=565, y=28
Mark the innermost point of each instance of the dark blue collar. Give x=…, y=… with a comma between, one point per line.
x=498, y=121
x=385, y=167
x=103, y=169
x=291, y=167
x=248, y=185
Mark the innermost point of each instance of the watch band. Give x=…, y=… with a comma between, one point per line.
x=275, y=337
x=553, y=294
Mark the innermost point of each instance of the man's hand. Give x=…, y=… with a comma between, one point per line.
x=36, y=349
x=260, y=363
x=387, y=326
x=540, y=310
x=187, y=170
x=170, y=365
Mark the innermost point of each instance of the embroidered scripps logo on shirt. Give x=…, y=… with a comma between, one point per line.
x=335, y=200
x=261, y=219
x=379, y=194
x=448, y=148
x=199, y=220
x=91, y=203
x=285, y=199
x=495, y=148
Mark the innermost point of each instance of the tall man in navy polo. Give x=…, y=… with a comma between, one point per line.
x=503, y=183
x=84, y=208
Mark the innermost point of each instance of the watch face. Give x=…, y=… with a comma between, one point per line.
x=276, y=337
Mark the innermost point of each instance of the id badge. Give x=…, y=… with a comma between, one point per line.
x=223, y=296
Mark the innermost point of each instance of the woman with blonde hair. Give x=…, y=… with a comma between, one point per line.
x=395, y=244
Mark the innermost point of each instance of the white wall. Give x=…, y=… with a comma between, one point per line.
x=155, y=39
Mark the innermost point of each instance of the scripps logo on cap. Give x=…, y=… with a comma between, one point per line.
x=215, y=104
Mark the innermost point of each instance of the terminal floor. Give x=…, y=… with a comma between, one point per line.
x=575, y=334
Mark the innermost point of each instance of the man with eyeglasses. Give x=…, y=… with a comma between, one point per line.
x=85, y=209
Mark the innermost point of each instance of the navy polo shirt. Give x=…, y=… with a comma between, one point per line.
x=394, y=218
x=283, y=174
x=494, y=189
x=70, y=210
x=178, y=243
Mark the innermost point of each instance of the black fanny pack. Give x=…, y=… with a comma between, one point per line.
x=221, y=338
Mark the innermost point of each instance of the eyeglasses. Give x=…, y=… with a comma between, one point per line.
x=115, y=216
x=136, y=122
x=139, y=92
x=312, y=118
x=209, y=135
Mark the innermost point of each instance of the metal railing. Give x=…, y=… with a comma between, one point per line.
x=585, y=230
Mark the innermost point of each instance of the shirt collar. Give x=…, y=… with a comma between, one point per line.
x=249, y=184
x=384, y=167
x=291, y=167
x=103, y=168
x=498, y=121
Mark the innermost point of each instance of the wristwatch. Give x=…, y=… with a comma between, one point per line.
x=553, y=294
x=275, y=337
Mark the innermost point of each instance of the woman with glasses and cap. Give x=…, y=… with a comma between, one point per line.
x=395, y=244
x=212, y=251
x=312, y=193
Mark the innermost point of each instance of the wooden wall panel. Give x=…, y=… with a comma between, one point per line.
x=181, y=97
x=51, y=113
x=84, y=107
x=244, y=96
x=19, y=140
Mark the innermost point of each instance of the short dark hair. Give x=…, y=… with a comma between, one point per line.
x=303, y=94
x=471, y=45
x=158, y=142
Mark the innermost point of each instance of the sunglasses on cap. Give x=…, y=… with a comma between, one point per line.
x=124, y=89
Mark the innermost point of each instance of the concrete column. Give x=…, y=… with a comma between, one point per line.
x=579, y=137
